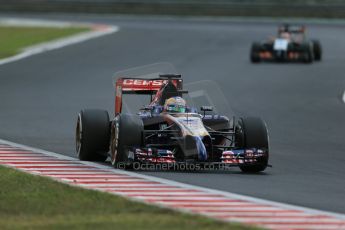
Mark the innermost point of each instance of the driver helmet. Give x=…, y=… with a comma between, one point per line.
x=285, y=35
x=175, y=105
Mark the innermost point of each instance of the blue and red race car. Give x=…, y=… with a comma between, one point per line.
x=169, y=133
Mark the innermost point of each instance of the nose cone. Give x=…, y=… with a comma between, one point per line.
x=195, y=148
x=202, y=153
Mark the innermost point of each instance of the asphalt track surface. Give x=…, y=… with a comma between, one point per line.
x=40, y=97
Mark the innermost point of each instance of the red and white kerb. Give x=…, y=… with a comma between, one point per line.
x=216, y=204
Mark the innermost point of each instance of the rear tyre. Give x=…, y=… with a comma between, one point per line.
x=92, y=135
x=317, y=49
x=251, y=132
x=126, y=132
x=255, y=52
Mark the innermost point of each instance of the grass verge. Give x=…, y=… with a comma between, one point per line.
x=14, y=39
x=33, y=202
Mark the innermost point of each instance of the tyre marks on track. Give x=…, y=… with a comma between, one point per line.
x=212, y=203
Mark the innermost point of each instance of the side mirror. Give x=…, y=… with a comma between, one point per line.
x=206, y=108
x=146, y=108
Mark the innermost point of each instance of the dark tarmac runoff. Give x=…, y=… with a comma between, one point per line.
x=40, y=97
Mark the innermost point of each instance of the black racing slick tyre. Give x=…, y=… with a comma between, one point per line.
x=308, y=54
x=92, y=135
x=126, y=132
x=251, y=132
x=317, y=49
x=255, y=52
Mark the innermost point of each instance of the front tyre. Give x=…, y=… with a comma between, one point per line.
x=252, y=133
x=317, y=49
x=307, y=52
x=255, y=52
x=126, y=132
x=92, y=135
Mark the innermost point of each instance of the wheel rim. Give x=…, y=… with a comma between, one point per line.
x=114, y=140
x=78, y=135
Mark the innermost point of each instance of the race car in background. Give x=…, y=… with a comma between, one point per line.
x=158, y=136
x=291, y=44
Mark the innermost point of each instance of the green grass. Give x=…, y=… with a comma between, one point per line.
x=14, y=39
x=33, y=202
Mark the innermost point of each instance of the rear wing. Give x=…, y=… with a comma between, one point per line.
x=292, y=28
x=142, y=86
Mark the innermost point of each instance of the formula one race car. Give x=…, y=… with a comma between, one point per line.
x=290, y=45
x=168, y=131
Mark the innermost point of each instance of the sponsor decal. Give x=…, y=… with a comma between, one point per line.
x=140, y=82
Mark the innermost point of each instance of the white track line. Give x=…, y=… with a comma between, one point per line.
x=343, y=97
x=26, y=22
x=217, y=204
x=96, y=31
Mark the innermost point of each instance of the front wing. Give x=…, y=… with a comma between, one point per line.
x=235, y=157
